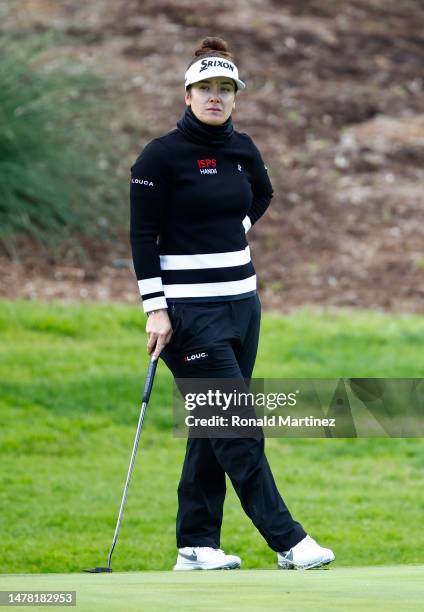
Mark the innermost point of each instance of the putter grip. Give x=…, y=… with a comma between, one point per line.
x=149, y=380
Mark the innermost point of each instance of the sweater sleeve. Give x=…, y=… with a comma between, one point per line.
x=261, y=188
x=150, y=183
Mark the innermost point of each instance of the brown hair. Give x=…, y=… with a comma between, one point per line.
x=212, y=45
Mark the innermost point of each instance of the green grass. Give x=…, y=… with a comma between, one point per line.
x=373, y=589
x=71, y=378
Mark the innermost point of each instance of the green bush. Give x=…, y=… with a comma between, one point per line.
x=54, y=180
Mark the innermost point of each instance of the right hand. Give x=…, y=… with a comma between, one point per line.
x=159, y=332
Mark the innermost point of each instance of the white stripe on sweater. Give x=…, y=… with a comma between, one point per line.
x=150, y=285
x=205, y=260
x=154, y=304
x=247, y=224
x=211, y=289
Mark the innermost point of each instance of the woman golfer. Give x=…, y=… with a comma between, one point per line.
x=195, y=193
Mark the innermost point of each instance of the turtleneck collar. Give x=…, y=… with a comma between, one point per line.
x=202, y=133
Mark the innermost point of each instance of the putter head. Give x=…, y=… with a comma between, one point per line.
x=99, y=570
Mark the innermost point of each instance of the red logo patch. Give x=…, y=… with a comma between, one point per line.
x=206, y=163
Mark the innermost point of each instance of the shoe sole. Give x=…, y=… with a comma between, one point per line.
x=188, y=568
x=292, y=566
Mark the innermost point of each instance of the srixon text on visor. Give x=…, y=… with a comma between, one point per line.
x=205, y=63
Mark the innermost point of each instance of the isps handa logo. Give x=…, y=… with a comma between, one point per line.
x=195, y=356
x=207, y=166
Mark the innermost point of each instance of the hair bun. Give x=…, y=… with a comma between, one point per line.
x=213, y=44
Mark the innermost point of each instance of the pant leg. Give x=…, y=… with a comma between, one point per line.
x=253, y=480
x=201, y=495
x=225, y=333
x=202, y=486
x=244, y=460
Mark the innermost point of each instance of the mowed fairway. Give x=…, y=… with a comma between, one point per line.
x=397, y=588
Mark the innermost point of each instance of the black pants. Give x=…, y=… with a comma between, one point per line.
x=227, y=333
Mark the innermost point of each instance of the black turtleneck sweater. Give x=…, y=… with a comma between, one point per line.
x=195, y=192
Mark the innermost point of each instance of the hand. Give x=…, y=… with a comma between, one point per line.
x=159, y=332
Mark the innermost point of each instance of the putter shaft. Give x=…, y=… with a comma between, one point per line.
x=146, y=396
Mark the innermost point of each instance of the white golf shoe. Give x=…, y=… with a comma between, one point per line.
x=307, y=554
x=205, y=558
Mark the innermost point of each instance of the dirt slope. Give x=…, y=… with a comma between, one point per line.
x=335, y=103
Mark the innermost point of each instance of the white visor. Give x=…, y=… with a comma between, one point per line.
x=208, y=67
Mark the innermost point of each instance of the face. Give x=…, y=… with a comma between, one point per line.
x=212, y=100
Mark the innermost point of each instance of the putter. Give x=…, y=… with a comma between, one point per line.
x=146, y=395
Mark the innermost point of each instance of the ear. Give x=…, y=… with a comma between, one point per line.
x=187, y=98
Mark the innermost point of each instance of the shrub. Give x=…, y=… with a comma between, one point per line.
x=54, y=182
